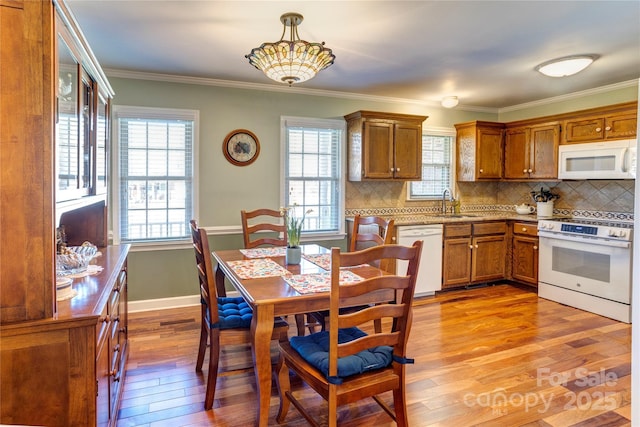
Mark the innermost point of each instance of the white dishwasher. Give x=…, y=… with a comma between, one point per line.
x=430, y=271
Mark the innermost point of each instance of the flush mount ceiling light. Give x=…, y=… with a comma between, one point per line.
x=566, y=66
x=291, y=61
x=449, y=101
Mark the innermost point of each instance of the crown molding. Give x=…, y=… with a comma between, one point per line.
x=570, y=96
x=172, y=78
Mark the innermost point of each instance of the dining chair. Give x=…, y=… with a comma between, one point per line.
x=224, y=320
x=375, y=231
x=346, y=364
x=269, y=220
x=372, y=231
x=263, y=220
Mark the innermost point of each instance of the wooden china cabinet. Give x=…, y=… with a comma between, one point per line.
x=61, y=362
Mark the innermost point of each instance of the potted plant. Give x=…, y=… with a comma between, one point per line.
x=294, y=230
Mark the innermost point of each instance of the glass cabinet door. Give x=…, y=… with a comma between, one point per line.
x=67, y=124
x=102, y=145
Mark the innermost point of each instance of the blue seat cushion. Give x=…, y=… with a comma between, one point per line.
x=233, y=313
x=314, y=349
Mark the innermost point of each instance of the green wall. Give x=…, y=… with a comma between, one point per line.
x=225, y=189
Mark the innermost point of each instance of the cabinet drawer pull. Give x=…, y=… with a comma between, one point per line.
x=524, y=229
x=598, y=129
x=607, y=128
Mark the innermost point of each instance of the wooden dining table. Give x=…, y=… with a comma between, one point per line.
x=270, y=295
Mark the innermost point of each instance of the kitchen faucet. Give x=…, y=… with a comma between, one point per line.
x=444, y=203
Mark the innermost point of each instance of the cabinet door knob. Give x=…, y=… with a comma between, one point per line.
x=530, y=170
x=397, y=169
x=391, y=169
x=607, y=128
x=535, y=248
x=481, y=170
x=524, y=171
x=476, y=246
x=598, y=129
x=470, y=246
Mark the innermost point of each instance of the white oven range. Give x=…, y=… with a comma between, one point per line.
x=587, y=264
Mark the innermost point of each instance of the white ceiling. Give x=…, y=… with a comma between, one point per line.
x=482, y=51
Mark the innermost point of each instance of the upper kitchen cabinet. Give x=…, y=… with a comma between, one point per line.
x=531, y=152
x=479, y=150
x=607, y=123
x=384, y=146
x=83, y=97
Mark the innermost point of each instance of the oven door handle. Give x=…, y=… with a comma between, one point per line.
x=580, y=239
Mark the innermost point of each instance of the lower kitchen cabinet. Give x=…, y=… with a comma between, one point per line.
x=69, y=370
x=524, y=253
x=473, y=253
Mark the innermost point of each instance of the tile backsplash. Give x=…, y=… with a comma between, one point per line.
x=587, y=197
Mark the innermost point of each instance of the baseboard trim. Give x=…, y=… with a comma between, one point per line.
x=167, y=303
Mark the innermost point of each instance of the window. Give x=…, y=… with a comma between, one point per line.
x=312, y=173
x=437, y=165
x=155, y=173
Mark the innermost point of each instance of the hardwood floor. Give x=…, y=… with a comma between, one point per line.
x=493, y=356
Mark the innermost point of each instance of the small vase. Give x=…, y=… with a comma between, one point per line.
x=293, y=255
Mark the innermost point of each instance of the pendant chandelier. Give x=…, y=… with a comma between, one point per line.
x=291, y=61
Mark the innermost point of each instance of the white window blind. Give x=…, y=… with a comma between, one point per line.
x=312, y=173
x=156, y=173
x=437, y=165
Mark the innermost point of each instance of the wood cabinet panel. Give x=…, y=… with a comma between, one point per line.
x=524, y=253
x=408, y=151
x=517, y=153
x=384, y=146
x=524, y=261
x=479, y=151
x=70, y=362
x=601, y=127
x=378, y=150
x=26, y=198
x=532, y=152
x=488, y=260
x=473, y=253
x=456, y=257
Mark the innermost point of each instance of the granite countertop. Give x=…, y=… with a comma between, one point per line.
x=419, y=219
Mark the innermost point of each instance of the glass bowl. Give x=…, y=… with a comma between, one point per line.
x=75, y=259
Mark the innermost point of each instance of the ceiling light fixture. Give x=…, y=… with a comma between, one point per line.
x=566, y=66
x=291, y=61
x=449, y=101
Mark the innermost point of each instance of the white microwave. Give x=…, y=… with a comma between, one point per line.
x=598, y=160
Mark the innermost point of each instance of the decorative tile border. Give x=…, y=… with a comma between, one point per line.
x=407, y=211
